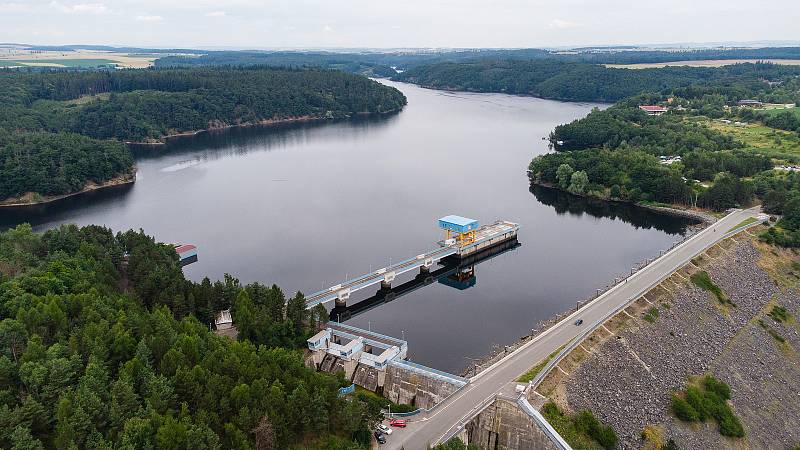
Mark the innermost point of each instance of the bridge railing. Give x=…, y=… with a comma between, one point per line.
x=419, y=368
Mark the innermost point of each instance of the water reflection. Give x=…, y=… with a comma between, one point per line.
x=37, y=214
x=566, y=203
x=217, y=144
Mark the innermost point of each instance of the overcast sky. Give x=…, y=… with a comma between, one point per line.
x=396, y=23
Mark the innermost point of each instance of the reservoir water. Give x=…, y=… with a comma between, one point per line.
x=305, y=206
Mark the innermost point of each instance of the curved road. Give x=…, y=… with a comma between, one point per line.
x=446, y=416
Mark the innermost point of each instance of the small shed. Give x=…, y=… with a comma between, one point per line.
x=458, y=224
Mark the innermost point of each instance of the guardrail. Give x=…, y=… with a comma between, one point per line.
x=544, y=425
x=578, y=339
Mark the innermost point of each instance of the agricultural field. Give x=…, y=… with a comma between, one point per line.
x=74, y=59
x=777, y=144
x=703, y=63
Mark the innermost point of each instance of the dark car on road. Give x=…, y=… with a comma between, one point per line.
x=578, y=322
x=379, y=437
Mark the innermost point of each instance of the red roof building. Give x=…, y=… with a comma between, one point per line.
x=653, y=110
x=184, y=248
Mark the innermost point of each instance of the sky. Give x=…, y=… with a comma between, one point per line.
x=395, y=24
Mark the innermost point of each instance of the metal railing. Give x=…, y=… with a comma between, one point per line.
x=543, y=424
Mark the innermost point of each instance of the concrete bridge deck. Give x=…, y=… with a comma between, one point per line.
x=485, y=236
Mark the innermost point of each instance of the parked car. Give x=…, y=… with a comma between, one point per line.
x=401, y=423
x=379, y=437
x=578, y=322
x=383, y=429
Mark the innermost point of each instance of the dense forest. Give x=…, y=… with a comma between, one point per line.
x=136, y=105
x=103, y=344
x=62, y=128
x=574, y=81
x=57, y=163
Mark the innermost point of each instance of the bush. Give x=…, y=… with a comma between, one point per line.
x=730, y=425
x=683, y=410
x=708, y=400
x=582, y=431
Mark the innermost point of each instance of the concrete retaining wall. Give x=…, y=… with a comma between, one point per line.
x=412, y=388
x=504, y=425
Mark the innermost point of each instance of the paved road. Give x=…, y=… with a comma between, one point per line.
x=431, y=428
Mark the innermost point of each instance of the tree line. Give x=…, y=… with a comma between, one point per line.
x=559, y=79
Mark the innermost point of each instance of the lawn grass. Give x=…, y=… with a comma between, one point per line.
x=744, y=223
x=775, y=111
x=651, y=315
x=703, y=281
x=531, y=374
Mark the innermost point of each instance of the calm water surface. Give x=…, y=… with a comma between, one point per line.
x=305, y=206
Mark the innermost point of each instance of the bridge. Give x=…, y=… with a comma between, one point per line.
x=456, y=272
x=464, y=237
x=447, y=418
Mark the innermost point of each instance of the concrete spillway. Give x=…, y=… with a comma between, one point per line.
x=485, y=237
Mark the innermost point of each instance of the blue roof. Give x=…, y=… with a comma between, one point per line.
x=457, y=220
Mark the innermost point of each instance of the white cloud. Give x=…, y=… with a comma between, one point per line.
x=327, y=28
x=149, y=18
x=89, y=8
x=14, y=7
x=81, y=8
x=215, y=14
x=560, y=24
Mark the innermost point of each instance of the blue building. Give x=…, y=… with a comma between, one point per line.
x=458, y=224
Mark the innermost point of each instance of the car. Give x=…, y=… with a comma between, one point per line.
x=401, y=423
x=383, y=429
x=578, y=322
x=379, y=437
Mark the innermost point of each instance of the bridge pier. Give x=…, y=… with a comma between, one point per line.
x=341, y=303
x=423, y=270
x=386, y=285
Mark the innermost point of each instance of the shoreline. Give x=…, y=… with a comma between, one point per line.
x=515, y=94
x=265, y=123
x=702, y=216
x=20, y=202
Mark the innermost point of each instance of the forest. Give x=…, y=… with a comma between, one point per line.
x=138, y=105
x=57, y=163
x=104, y=343
x=60, y=130
x=576, y=81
